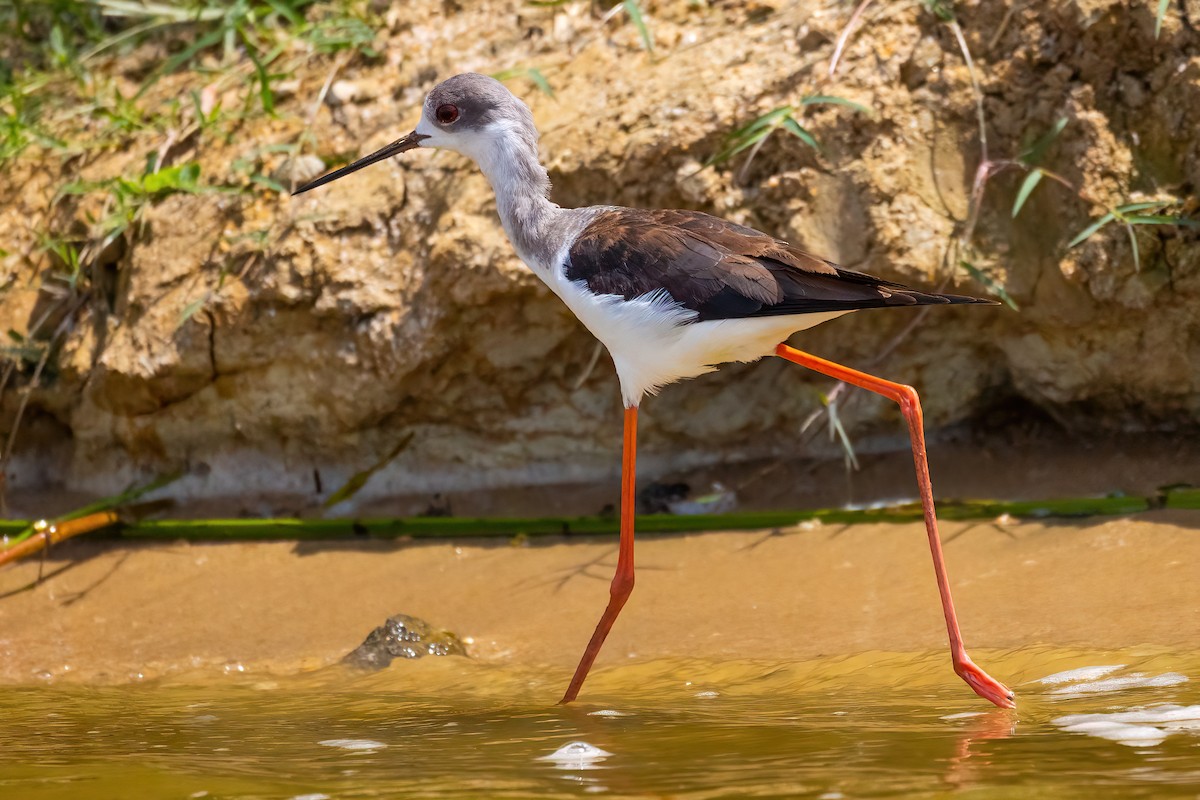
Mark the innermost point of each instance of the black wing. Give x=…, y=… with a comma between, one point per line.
x=722, y=270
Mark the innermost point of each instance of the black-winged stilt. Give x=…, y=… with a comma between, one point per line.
x=671, y=294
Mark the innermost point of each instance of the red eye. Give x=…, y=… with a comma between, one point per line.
x=447, y=113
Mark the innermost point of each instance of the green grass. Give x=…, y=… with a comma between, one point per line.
x=753, y=134
x=1030, y=160
x=1131, y=216
x=1159, y=15
x=532, y=74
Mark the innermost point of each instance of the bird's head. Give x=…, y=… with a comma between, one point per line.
x=470, y=114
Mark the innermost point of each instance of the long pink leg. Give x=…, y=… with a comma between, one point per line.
x=622, y=583
x=984, y=685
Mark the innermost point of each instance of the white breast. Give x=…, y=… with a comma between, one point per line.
x=653, y=341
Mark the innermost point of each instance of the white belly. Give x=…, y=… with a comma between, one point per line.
x=653, y=341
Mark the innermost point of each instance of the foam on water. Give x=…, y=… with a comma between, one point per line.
x=1135, y=680
x=357, y=745
x=1081, y=674
x=1140, y=727
x=577, y=756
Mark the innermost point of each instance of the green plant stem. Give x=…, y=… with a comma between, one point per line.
x=466, y=527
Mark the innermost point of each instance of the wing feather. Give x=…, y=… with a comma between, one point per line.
x=722, y=270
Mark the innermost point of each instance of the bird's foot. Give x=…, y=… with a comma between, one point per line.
x=984, y=685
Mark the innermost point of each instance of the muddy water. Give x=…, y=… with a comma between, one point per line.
x=806, y=662
x=872, y=725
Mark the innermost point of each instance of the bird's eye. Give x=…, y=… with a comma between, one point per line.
x=447, y=113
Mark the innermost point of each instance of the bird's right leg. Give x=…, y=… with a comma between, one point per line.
x=910, y=405
x=622, y=583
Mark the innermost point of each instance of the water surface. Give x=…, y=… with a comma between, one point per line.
x=870, y=725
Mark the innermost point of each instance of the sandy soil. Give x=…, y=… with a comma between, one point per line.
x=112, y=612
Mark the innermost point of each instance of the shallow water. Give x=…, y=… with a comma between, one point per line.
x=871, y=725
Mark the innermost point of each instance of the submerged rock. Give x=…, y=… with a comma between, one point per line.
x=403, y=636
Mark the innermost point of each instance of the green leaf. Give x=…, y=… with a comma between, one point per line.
x=993, y=285
x=191, y=308
x=286, y=11
x=769, y=119
x=826, y=99
x=1160, y=15
x=532, y=73
x=1086, y=233
x=746, y=142
x=1125, y=209
x=273, y=185
x=180, y=178
x=77, y=187
x=942, y=9
x=1161, y=219
x=635, y=16
x=1027, y=186
x=800, y=132
x=182, y=57
x=539, y=80
x=1038, y=149
x=265, y=94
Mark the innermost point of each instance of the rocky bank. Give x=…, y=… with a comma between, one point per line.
x=260, y=341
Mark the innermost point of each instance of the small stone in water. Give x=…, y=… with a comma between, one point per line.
x=403, y=636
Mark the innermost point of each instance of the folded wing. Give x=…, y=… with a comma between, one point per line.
x=721, y=270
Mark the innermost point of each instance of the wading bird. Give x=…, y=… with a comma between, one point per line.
x=671, y=294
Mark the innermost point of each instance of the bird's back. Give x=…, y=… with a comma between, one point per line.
x=721, y=270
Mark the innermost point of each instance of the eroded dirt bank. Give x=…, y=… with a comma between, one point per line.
x=256, y=339
x=119, y=613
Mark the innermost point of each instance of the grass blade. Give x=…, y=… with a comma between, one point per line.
x=994, y=286
x=834, y=100
x=1087, y=232
x=750, y=134
x=1027, y=186
x=533, y=74
x=539, y=80
x=359, y=479
x=1137, y=256
x=1038, y=149
x=801, y=133
x=1125, y=209
x=771, y=118
x=1161, y=219
x=635, y=16
x=1160, y=15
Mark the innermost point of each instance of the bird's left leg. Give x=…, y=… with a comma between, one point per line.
x=622, y=582
x=910, y=405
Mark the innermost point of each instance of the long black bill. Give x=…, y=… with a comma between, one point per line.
x=396, y=147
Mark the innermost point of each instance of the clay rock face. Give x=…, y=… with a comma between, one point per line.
x=256, y=338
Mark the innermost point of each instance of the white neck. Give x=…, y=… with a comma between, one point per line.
x=510, y=163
